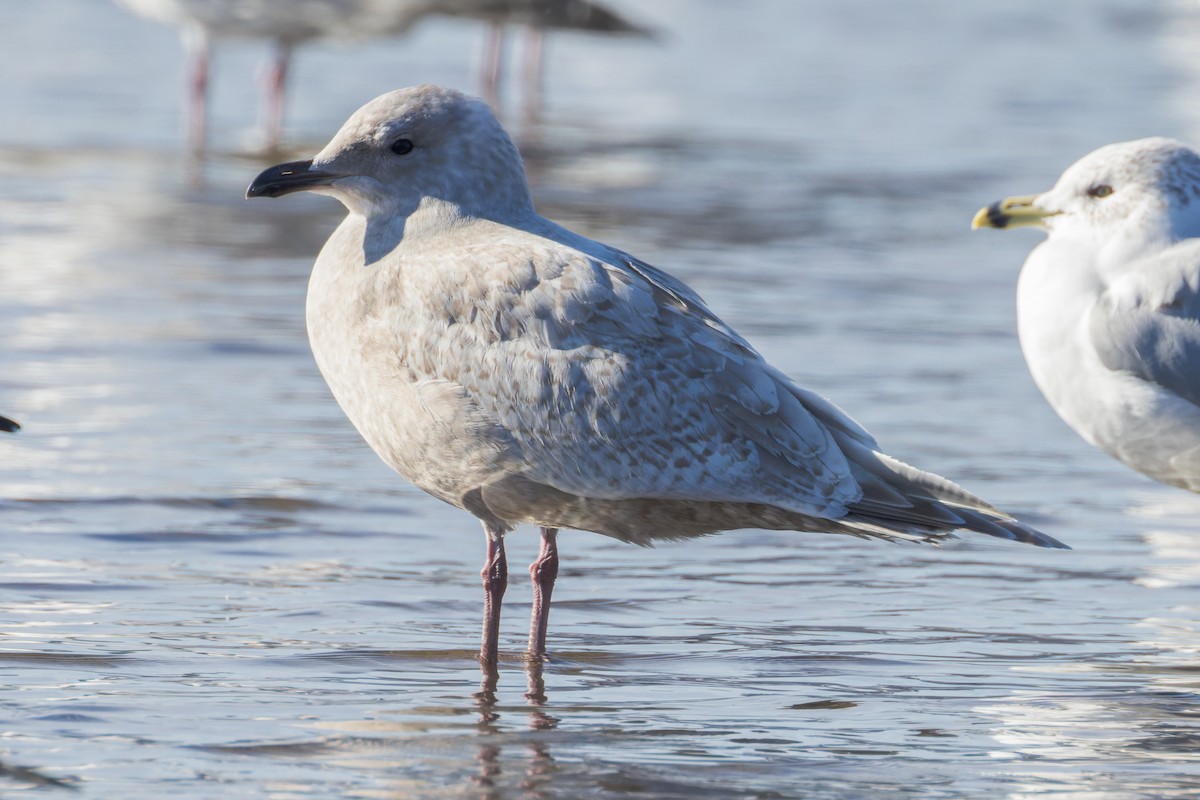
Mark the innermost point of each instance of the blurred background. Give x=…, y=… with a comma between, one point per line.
x=211, y=585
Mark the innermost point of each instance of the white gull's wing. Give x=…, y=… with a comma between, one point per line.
x=1147, y=322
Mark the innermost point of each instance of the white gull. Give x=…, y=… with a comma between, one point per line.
x=525, y=373
x=1108, y=307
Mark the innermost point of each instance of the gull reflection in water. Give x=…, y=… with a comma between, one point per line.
x=1114, y=711
x=1172, y=560
x=541, y=766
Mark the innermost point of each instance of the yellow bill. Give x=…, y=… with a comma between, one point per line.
x=1012, y=212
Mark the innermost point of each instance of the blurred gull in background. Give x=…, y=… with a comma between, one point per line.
x=284, y=23
x=527, y=374
x=1108, y=307
x=9, y=425
x=289, y=23
x=536, y=17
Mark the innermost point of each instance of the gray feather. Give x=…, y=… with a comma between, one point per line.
x=1148, y=322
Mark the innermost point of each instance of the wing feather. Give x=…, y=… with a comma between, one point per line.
x=616, y=381
x=1148, y=321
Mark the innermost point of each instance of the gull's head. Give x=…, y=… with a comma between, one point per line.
x=1145, y=190
x=421, y=149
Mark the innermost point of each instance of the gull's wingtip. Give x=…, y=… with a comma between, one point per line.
x=1002, y=526
x=1018, y=531
x=1049, y=541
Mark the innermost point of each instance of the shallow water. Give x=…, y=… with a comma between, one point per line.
x=212, y=587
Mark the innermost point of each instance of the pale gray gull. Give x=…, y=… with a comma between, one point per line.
x=527, y=374
x=1108, y=307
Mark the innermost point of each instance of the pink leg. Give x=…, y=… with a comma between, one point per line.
x=543, y=571
x=495, y=581
x=273, y=95
x=198, y=56
x=535, y=47
x=493, y=56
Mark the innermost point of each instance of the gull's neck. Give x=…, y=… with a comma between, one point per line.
x=1111, y=248
x=433, y=222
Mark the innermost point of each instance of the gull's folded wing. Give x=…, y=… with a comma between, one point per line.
x=1148, y=321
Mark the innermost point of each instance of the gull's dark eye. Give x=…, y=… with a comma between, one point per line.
x=1100, y=191
x=403, y=147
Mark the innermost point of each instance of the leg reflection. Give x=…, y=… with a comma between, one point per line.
x=541, y=767
x=541, y=763
x=485, y=698
x=489, y=753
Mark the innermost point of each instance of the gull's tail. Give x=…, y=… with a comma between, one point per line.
x=900, y=497
x=900, y=501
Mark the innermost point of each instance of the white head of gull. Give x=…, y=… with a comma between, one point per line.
x=527, y=374
x=1108, y=307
